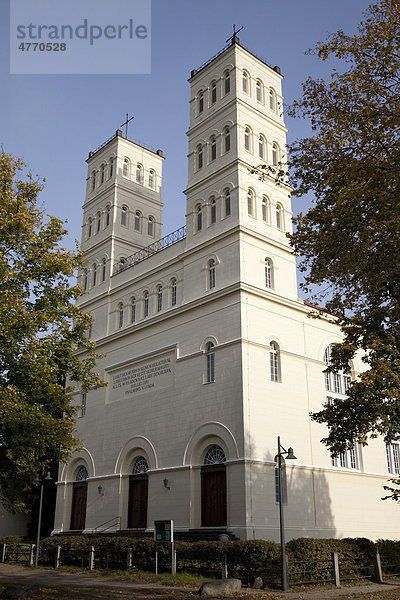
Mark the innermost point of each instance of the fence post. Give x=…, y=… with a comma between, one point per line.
x=129, y=558
x=58, y=557
x=91, y=558
x=335, y=566
x=3, y=553
x=378, y=567
x=31, y=552
x=224, y=570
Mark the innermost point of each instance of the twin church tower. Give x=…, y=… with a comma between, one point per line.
x=208, y=353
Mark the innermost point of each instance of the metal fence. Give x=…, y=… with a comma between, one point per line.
x=304, y=572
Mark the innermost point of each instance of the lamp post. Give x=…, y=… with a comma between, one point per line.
x=41, y=478
x=290, y=455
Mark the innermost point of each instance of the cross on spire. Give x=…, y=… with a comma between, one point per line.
x=233, y=37
x=126, y=124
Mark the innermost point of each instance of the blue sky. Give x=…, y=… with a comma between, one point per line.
x=53, y=121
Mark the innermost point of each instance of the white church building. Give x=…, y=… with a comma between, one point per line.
x=208, y=352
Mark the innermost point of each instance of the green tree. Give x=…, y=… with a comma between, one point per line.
x=350, y=237
x=40, y=330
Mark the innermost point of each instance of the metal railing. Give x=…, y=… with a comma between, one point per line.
x=110, y=523
x=154, y=248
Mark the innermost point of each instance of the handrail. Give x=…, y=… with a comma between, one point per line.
x=143, y=253
x=114, y=521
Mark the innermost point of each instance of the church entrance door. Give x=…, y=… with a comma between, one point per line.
x=78, y=510
x=213, y=495
x=137, y=504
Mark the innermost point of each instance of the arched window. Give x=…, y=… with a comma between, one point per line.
x=265, y=209
x=211, y=274
x=125, y=168
x=111, y=168
x=103, y=269
x=124, y=215
x=250, y=202
x=213, y=92
x=199, y=217
x=227, y=139
x=98, y=222
x=227, y=203
x=261, y=147
x=173, y=292
x=133, y=310
x=85, y=280
x=213, y=211
x=120, y=315
x=90, y=228
x=258, y=91
x=159, y=298
x=272, y=100
x=274, y=361
x=121, y=264
x=152, y=177
x=139, y=173
x=227, y=82
x=279, y=217
x=140, y=466
x=214, y=456
x=82, y=474
x=210, y=363
x=199, y=157
x=268, y=273
x=94, y=274
x=102, y=174
x=93, y=180
x=213, y=148
x=201, y=102
x=108, y=210
x=146, y=304
x=150, y=226
x=275, y=154
x=245, y=82
x=137, y=220
x=247, y=139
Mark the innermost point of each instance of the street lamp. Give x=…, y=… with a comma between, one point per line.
x=289, y=455
x=41, y=478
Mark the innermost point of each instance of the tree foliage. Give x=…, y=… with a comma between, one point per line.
x=350, y=237
x=40, y=330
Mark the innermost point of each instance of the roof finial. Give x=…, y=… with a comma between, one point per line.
x=234, y=37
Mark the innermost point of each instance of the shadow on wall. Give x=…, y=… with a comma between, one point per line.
x=308, y=511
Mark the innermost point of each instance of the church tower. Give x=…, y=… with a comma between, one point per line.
x=122, y=212
x=236, y=123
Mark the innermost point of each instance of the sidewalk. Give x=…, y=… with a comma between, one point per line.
x=10, y=573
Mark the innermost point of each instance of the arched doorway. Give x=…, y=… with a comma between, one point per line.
x=213, y=488
x=138, y=489
x=79, y=497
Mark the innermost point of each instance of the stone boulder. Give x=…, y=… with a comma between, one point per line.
x=220, y=587
x=258, y=583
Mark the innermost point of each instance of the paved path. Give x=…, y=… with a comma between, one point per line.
x=10, y=573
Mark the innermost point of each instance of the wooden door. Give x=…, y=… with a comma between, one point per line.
x=137, y=505
x=78, y=510
x=213, y=496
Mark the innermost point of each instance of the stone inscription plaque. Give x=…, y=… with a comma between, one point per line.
x=141, y=377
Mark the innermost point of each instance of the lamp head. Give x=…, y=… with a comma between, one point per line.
x=290, y=454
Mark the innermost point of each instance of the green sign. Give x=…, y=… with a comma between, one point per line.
x=164, y=531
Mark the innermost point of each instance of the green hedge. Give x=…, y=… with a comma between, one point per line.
x=246, y=559
x=355, y=558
